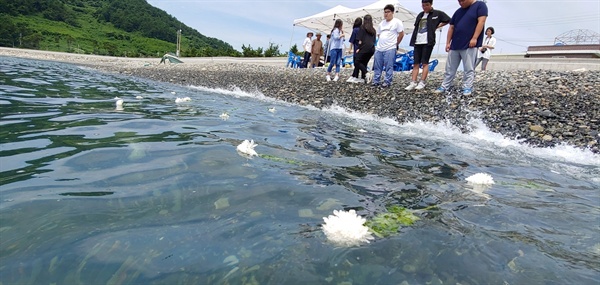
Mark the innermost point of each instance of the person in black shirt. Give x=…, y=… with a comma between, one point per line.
x=366, y=48
x=423, y=39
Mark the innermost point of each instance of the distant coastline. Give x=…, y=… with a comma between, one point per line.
x=540, y=107
x=514, y=61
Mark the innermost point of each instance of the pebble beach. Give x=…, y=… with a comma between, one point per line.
x=542, y=108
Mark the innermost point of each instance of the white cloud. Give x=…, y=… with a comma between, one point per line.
x=518, y=24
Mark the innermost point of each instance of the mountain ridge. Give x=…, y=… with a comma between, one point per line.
x=131, y=28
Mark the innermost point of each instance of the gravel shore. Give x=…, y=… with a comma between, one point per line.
x=540, y=107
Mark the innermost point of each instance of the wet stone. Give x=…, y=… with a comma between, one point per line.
x=513, y=103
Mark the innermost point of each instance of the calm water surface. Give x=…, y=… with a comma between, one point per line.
x=156, y=193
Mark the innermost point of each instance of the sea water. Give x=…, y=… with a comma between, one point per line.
x=156, y=193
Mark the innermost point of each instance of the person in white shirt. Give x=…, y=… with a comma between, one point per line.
x=485, y=51
x=390, y=33
x=307, y=45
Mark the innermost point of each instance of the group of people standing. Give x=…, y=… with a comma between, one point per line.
x=465, y=44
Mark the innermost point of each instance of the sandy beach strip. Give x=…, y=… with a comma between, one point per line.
x=540, y=107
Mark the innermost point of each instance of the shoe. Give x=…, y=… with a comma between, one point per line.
x=369, y=77
x=439, y=90
x=384, y=85
x=350, y=79
x=336, y=78
x=375, y=85
x=328, y=78
x=420, y=86
x=411, y=86
x=467, y=91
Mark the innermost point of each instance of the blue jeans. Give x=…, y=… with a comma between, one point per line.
x=384, y=59
x=336, y=58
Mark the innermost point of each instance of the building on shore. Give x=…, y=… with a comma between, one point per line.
x=572, y=44
x=564, y=51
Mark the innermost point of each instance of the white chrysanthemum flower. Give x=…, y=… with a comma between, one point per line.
x=224, y=116
x=184, y=99
x=247, y=147
x=272, y=110
x=139, y=97
x=346, y=228
x=481, y=178
x=119, y=103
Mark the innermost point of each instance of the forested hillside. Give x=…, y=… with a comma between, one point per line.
x=131, y=28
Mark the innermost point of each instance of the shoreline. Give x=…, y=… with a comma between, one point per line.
x=542, y=108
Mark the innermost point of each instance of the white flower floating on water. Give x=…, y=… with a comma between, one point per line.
x=481, y=178
x=119, y=104
x=272, y=110
x=139, y=97
x=346, y=228
x=247, y=147
x=184, y=99
x=480, y=183
x=224, y=116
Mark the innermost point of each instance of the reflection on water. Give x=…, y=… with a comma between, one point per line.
x=157, y=194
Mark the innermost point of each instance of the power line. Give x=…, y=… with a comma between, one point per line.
x=551, y=22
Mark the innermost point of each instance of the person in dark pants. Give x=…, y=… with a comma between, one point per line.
x=423, y=39
x=354, y=43
x=326, y=48
x=366, y=48
x=307, y=45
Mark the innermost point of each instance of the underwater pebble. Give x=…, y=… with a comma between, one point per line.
x=222, y=203
x=305, y=213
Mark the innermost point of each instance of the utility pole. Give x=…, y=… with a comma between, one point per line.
x=178, y=42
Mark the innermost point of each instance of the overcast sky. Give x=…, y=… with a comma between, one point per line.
x=518, y=23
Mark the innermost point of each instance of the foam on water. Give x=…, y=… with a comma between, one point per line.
x=479, y=137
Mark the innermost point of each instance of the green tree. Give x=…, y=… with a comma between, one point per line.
x=8, y=31
x=32, y=40
x=250, y=52
x=294, y=49
x=272, y=51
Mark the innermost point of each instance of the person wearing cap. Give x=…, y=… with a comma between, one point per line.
x=307, y=45
x=316, y=51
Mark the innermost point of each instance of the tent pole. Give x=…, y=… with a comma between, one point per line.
x=439, y=42
x=291, y=38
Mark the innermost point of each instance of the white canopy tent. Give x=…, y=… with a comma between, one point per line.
x=323, y=21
